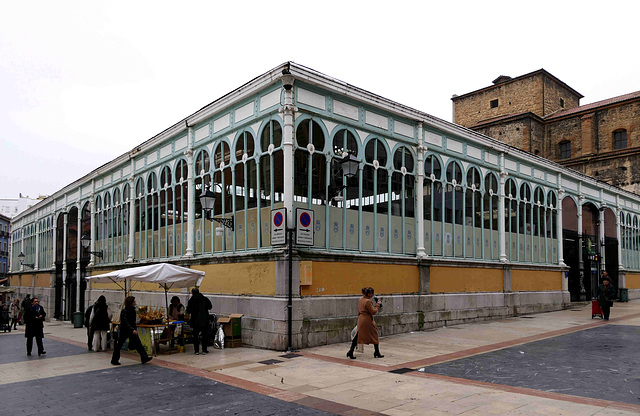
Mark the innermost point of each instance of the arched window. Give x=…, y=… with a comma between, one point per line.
x=202, y=181
x=453, y=213
x=403, y=202
x=223, y=180
x=271, y=175
x=181, y=193
x=342, y=228
x=620, y=139
x=473, y=214
x=166, y=216
x=433, y=200
x=245, y=190
x=490, y=211
x=375, y=197
x=539, y=225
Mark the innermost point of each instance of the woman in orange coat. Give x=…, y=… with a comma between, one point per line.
x=367, y=329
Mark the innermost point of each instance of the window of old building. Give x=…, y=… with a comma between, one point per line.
x=565, y=149
x=561, y=103
x=620, y=139
x=494, y=103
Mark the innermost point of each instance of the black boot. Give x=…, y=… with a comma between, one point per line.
x=354, y=343
x=376, y=353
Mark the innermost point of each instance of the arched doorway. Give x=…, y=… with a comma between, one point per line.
x=58, y=304
x=570, y=246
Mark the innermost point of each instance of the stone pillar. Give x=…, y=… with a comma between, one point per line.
x=78, y=254
x=602, y=239
x=55, y=234
x=501, y=220
x=132, y=217
x=92, y=231
x=583, y=291
x=36, y=261
x=622, y=281
x=64, y=267
x=191, y=196
x=559, y=231
x=422, y=149
x=288, y=110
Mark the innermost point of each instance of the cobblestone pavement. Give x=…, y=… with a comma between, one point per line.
x=601, y=362
x=123, y=390
x=555, y=363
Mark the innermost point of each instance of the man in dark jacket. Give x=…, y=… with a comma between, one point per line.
x=198, y=307
x=606, y=293
x=34, y=320
x=128, y=330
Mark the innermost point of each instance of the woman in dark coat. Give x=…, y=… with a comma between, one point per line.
x=34, y=320
x=100, y=321
x=128, y=330
x=367, y=329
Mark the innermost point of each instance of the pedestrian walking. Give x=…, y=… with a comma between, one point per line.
x=606, y=293
x=87, y=324
x=128, y=331
x=198, y=307
x=14, y=313
x=367, y=332
x=34, y=320
x=26, y=304
x=100, y=322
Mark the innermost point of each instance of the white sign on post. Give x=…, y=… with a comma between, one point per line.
x=304, y=227
x=278, y=226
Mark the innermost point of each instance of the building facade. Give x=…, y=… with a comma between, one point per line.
x=447, y=224
x=10, y=207
x=5, y=246
x=539, y=113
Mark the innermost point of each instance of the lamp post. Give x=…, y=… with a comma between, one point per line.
x=21, y=256
x=86, y=242
x=208, y=201
x=349, y=165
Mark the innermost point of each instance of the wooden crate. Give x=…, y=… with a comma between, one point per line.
x=232, y=342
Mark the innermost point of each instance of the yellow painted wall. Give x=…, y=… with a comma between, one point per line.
x=633, y=281
x=105, y=286
x=14, y=280
x=535, y=280
x=333, y=278
x=465, y=279
x=239, y=278
x=43, y=280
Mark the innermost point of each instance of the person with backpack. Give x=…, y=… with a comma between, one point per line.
x=198, y=307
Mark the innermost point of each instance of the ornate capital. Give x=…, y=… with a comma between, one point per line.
x=188, y=153
x=288, y=109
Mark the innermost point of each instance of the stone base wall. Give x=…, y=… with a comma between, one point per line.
x=329, y=320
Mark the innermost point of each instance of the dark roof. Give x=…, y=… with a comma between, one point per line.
x=541, y=71
x=592, y=106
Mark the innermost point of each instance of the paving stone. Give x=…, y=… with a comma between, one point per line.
x=599, y=363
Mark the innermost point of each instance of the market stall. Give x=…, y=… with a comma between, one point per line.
x=154, y=328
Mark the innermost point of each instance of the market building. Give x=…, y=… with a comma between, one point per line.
x=448, y=225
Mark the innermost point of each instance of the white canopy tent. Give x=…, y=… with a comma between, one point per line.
x=167, y=276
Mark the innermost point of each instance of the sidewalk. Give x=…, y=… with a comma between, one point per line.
x=422, y=373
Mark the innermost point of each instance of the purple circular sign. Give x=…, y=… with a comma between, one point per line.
x=305, y=219
x=277, y=219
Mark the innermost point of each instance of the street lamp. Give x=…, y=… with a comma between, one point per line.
x=208, y=200
x=349, y=165
x=86, y=242
x=21, y=256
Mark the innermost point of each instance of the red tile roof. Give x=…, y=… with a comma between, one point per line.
x=592, y=106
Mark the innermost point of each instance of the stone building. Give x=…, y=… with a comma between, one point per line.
x=448, y=225
x=539, y=113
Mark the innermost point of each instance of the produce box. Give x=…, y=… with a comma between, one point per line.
x=232, y=325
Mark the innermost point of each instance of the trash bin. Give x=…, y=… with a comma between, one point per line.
x=624, y=295
x=78, y=319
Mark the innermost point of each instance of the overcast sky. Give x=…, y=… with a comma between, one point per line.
x=82, y=82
